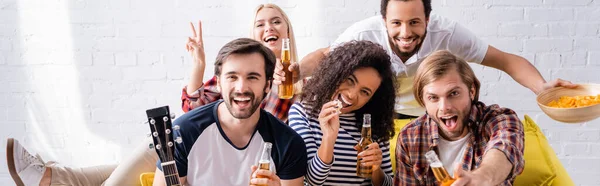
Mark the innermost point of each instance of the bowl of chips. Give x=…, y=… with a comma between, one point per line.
x=571, y=105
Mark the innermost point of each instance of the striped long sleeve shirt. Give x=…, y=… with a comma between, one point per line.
x=342, y=171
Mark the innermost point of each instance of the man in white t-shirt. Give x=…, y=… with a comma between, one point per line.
x=221, y=142
x=409, y=33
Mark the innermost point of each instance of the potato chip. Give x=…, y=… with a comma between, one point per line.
x=575, y=101
x=338, y=106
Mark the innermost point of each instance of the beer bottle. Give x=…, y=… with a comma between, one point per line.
x=440, y=173
x=365, y=140
x=265, y=158
x=286, y=88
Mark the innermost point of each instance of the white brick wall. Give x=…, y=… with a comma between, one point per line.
x=76, y=76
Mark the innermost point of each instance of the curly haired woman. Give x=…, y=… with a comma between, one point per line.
x=357, y=74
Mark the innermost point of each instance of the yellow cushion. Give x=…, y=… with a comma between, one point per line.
x=398, y=125
x=562, y=176
x=147, y=178
x=539, y=168
x=542, y=166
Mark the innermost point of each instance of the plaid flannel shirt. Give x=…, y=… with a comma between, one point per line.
x=208, y=93
x=492, y=128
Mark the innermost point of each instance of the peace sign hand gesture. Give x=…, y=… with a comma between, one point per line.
x=195, y=45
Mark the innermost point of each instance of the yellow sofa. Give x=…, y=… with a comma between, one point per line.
x=542, y=166
x=147, y=178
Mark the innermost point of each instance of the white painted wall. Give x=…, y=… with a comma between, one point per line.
x=77, y=75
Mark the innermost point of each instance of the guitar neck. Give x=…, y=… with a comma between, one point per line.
x=171, y=174
x=162, y=132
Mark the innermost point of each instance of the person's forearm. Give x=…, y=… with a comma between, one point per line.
x=310, y=62
x=494, y=166
x=525, y=73
x=378, y=177
x=320, y=164
x=196, y=78
x=521, y=70
x=325, y=151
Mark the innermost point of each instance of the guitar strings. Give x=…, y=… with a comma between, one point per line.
x=175, y=176
x=171, y=171
x=167, y=138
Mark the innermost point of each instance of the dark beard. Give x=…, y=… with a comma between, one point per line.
x=254, y=104
x=414, y=51
x=411, y=53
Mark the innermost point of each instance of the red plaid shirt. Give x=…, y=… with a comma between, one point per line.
x=208, y=93
x=492, y=128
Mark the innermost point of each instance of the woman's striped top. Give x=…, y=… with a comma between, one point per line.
x=342, y=171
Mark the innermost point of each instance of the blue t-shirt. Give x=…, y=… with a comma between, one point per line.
x=207, y=156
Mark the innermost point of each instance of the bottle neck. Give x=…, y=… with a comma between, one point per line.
x=266, y=152
x=265, y=155
x=286, y=56
x=366, y=132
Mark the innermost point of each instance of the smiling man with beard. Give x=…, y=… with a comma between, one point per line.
x=478, y=144
x=222, y=141
x=409, y=32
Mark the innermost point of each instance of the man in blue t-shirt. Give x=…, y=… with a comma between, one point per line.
x=222, y=141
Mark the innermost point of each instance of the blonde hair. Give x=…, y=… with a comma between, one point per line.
x=293, y=52
x=290, y=32
x=439, y=64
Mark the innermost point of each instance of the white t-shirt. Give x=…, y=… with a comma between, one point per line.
x=442, y=34
x=452, y=152
x=208, y=157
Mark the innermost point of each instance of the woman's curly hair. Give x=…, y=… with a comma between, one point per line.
x=336, y=67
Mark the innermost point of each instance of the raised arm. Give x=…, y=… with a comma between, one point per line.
x=204, y=95
x=195, y=46
x=310, y=62
x=493, y=170
x=468, y=46
x=318, y=169
x=503, y=157
x=196, y=93
x=521, y=70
